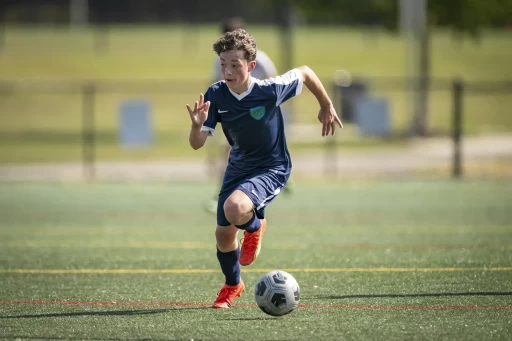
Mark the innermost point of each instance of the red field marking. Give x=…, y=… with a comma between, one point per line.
x=461, y=307
x=303, y=306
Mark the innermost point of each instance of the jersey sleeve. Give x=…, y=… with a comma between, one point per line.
x=213, y=117
x=285, y=86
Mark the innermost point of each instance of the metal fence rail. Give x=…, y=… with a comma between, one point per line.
x=90, y=92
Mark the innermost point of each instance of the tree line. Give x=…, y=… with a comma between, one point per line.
x=461, y=15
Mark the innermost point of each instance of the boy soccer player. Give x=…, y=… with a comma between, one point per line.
x=259, y=163
x=264, y=69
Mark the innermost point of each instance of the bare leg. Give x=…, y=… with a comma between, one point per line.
x=226, y=237
x=238, y=208
x=211, y=206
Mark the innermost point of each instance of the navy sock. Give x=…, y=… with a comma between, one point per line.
x=230, y=266
x=252, y=225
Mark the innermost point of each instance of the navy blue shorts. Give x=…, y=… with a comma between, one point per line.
x=261, y=188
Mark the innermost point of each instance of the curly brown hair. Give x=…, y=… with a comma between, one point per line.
x=238, y=39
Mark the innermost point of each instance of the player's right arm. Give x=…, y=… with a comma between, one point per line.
x=198, y=116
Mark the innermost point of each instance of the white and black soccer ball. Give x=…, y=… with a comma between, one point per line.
x=277, y=293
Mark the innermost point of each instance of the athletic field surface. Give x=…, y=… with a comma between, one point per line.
x=375, y=260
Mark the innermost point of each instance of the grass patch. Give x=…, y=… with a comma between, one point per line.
x=362, y=225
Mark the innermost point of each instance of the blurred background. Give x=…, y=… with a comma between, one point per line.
x=402, y=221
x=96, y=89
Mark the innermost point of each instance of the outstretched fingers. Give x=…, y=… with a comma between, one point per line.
x=337, y=119
x=198, y=105
x=329, y=125
x=204, y=106
x=325, y=127
x=189, y=110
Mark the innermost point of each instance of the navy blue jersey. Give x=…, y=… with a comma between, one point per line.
x=253, y=123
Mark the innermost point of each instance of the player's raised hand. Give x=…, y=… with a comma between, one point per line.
x=200, y=113
x=328, y=117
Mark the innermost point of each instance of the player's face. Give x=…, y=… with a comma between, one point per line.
x=236, y=70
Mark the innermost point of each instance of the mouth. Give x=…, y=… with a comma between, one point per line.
x=228, y=80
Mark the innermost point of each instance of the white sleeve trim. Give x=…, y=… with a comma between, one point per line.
x=287, y=78
x=210, y=131
x=298, y=90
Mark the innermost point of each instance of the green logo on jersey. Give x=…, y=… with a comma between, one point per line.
x=258, y=112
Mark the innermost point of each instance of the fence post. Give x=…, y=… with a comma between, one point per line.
x=88, y=130
x=458, y=93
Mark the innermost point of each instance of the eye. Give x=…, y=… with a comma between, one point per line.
x=235, y=65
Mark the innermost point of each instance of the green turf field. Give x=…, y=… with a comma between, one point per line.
x=43, y=126
x=408, y=260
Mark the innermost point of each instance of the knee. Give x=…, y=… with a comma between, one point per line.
x=234, y=210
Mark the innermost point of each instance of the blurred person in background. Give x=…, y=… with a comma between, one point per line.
x=265, y=68
x=259, y=166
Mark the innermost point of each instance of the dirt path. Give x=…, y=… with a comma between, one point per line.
x=420, y=154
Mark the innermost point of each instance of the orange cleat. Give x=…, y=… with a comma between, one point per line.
x=251, y=245
x=227, y=294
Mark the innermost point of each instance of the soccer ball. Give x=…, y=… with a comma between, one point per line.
x=277, y=293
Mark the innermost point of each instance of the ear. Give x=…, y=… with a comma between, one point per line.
x=251, y=65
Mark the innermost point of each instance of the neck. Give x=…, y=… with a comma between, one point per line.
x=244, y=86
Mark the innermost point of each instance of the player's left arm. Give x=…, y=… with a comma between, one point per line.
x=327, y=114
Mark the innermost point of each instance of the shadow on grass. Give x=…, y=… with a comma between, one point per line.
x=440, y=294
x=104, y=313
